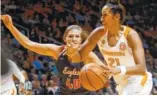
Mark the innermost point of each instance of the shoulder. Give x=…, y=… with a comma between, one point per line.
x=129, y=32
x=100, y=28
x=11, y=63
x=58, y=48
x=133, y=34
x=133, y=38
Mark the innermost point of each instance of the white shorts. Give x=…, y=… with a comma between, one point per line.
x=9, y=92
x=137, y=85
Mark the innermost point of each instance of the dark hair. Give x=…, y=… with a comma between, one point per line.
x=116, y=7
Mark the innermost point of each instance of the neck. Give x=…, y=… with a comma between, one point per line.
x=70, y=53
x=73, y=56
x=114, y=31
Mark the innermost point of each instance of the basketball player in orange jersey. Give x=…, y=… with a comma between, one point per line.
x=69, y=62
x=122, y=50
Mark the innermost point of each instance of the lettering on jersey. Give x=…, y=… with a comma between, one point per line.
x=70, y=82
x=114, y=53
x=70, y=72
x=122, y=46
x=73, y=84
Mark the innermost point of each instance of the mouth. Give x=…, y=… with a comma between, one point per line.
x=103, y=23
x=72, y=44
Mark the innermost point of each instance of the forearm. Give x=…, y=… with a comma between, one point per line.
x=22, y=39
x=136, y=70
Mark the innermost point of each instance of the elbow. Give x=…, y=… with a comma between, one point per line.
x=27, y=44
x=142, y=70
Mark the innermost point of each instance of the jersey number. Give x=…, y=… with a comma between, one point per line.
x=113, y=60
x=74, y=85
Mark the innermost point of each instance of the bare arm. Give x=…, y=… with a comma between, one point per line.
x=91, y=41
x=43, y=49
x=138, y=53
x=135, y=44
x=93, y=58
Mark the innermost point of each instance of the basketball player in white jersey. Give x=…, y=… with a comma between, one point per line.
x=122, y=50
x=8, y=69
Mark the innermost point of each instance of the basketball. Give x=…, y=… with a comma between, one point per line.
x=92, y=77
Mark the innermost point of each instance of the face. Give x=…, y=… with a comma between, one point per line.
x=108, y=19
x=73, y=38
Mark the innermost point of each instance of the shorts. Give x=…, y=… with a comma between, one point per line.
x=9, y=92
x=137, y=85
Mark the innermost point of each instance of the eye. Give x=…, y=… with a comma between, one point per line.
x=70, y=36
x=77, y=36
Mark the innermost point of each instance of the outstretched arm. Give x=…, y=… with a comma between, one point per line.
x=91, y=41
x=43, y=49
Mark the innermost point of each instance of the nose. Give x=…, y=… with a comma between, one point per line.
x=74, y=38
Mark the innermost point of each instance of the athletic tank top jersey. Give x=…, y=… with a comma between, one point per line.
x=118, y=55
x=69, y=77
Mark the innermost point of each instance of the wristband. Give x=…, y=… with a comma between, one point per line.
x=28, y=85
x=122, y=70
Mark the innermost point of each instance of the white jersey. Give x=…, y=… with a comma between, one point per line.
x=119, y=55
x=7, y=82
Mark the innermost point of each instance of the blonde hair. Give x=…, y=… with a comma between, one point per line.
x=84, y=34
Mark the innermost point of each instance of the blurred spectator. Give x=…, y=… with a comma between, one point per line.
x=52, y=87
x=37, y=63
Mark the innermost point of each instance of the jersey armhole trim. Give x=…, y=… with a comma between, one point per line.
x=127, y=31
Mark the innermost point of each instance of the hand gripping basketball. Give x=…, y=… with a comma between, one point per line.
x=93, y=77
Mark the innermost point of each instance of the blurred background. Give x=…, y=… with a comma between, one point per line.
x=45, y=21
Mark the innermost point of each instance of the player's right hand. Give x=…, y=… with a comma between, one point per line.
x=7, y=20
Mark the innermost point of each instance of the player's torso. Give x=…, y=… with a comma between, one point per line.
x=69, y=75
x=118, y=55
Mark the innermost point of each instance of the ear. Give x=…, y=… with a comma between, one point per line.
x=82, y=41
x=117, y=16
x=64, y=40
